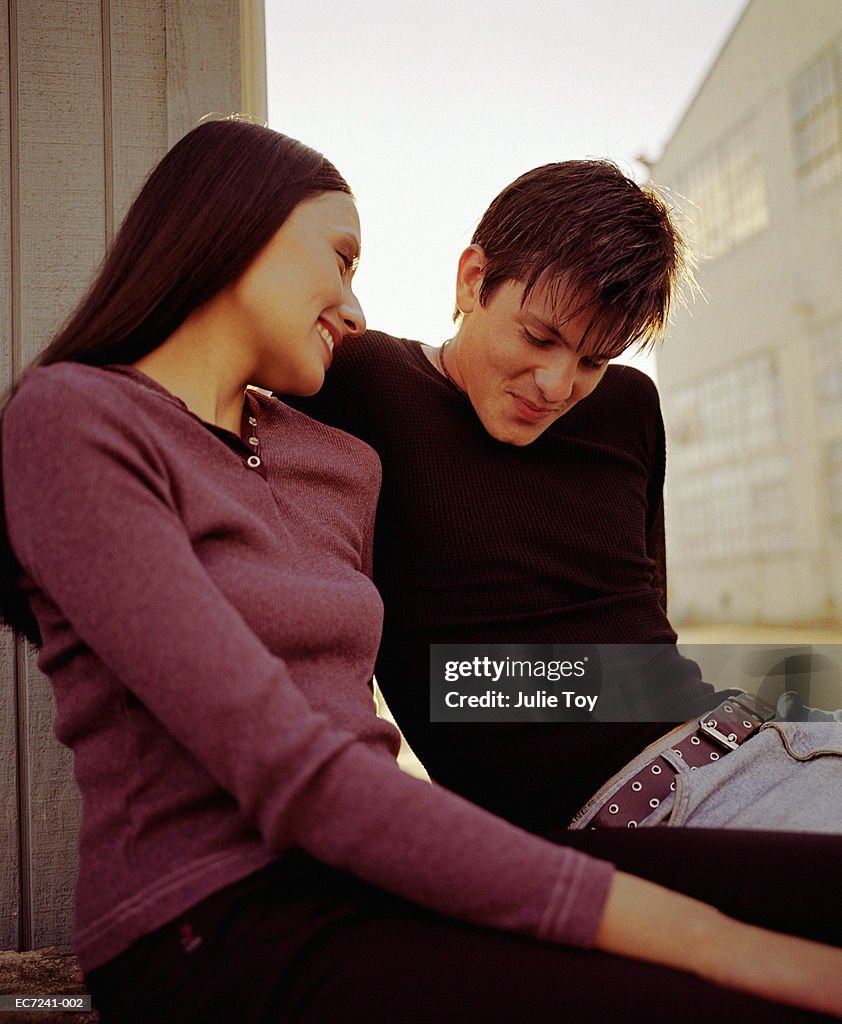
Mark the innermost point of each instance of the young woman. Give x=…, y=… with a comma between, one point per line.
x=192, y=558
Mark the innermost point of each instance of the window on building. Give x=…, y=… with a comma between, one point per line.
x=727, y=189
x=827, y=372
x=730, y=492
x=816, y=101
x=741, y=401
x=734, y=511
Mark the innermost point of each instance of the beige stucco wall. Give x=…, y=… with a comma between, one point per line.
x=772, y=293
x=92, y=92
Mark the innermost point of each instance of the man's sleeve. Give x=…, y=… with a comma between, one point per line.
x=655, y=535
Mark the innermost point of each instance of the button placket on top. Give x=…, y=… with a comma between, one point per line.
x=250, y=427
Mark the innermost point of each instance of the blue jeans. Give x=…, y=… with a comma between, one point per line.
x=787, y=777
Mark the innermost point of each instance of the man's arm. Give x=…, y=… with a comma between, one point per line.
x=655, y=533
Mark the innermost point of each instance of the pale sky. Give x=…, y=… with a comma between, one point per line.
x=430, y=108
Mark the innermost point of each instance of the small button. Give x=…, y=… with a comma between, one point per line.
x=254, y=442
x=252, y=421
x=253, y=461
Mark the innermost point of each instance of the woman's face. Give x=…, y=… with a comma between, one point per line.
x=294, y=303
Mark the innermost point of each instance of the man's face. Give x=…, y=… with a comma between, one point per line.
x=521, y=366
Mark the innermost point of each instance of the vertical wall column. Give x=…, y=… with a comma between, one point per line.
x=9, y=814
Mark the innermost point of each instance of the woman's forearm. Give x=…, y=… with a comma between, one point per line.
x=645, y=921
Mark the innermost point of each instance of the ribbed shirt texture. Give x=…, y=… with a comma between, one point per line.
x=210, y=632
x=557, y=542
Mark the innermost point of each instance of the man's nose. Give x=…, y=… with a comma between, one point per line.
x=557, y=379
x=352, y=313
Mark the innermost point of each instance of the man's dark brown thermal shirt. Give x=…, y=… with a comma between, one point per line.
x=477, y=541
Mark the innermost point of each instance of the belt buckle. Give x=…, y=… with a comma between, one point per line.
x=715, y=734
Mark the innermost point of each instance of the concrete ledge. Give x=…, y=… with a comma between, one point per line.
x=53, y=971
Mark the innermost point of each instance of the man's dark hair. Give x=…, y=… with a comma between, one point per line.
x=600, y=242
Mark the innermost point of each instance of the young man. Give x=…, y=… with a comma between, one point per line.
x=522, y=504
x=523, y=476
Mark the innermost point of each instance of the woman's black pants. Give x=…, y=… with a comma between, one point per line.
x=299, y=942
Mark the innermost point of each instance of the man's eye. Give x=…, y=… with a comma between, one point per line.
x=538, y=342
x=594, y=364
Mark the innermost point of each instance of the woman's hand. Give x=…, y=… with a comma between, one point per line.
x=783, y=968
x=648, y=922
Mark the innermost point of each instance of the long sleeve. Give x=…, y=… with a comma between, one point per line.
x=655, y=533
x=96, y=510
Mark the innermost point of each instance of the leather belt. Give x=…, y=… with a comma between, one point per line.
x=718, y=733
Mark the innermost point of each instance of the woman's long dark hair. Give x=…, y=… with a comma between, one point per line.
x=202, y=216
